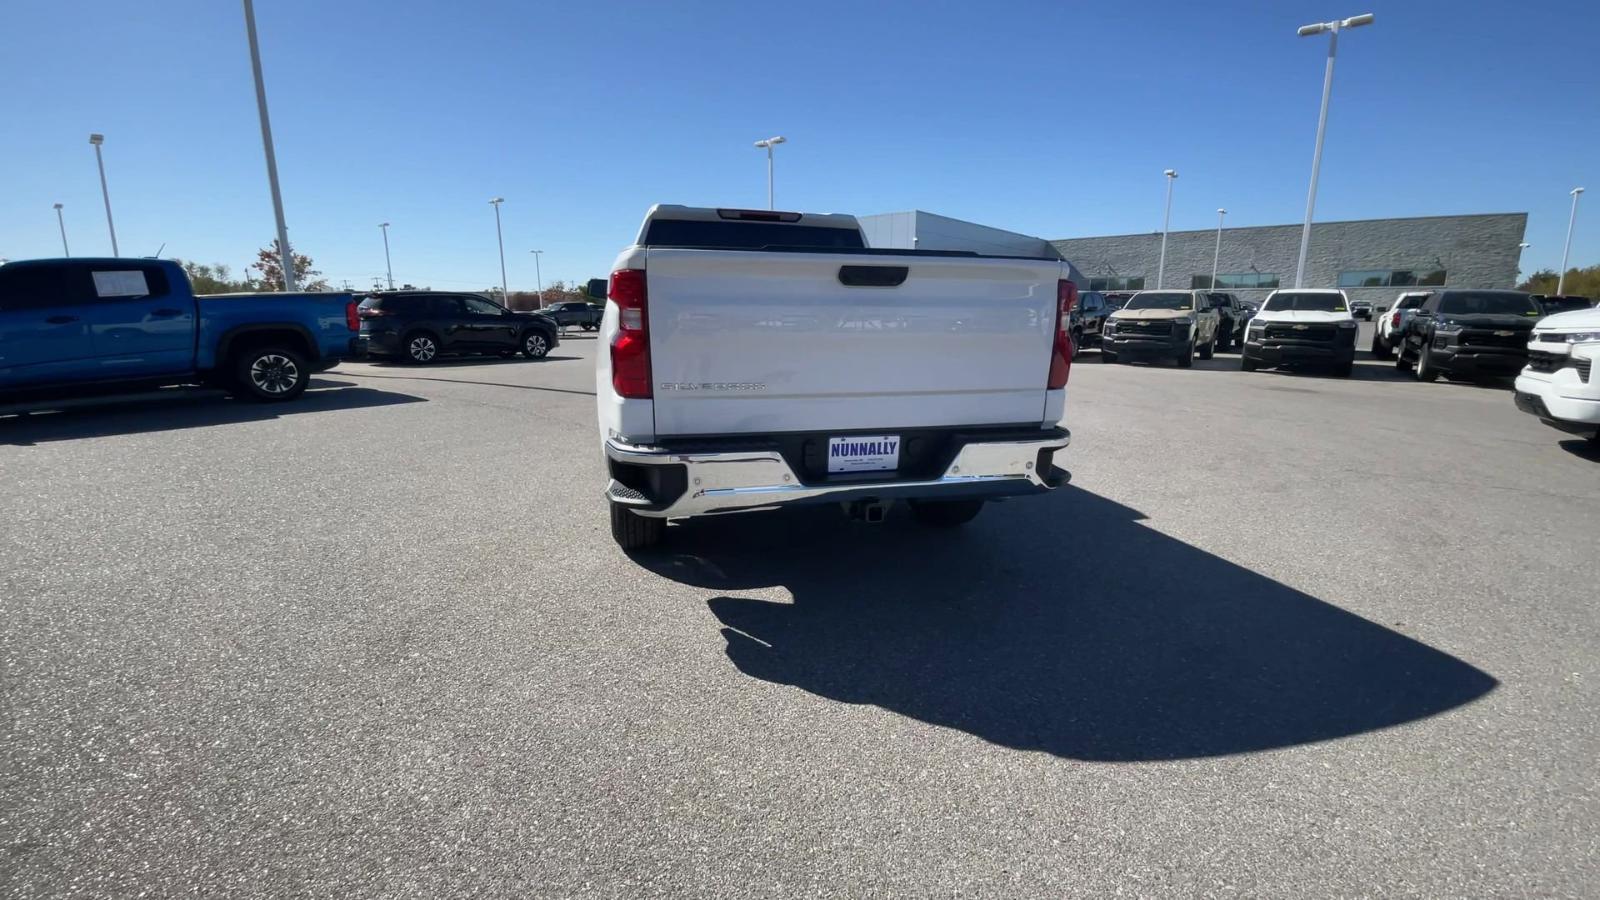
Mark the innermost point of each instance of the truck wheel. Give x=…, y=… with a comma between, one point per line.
x=421, y=348
x=1401, y=364
x=1210, y=349
x=1380, y=350
x=1186, y=358
x=1248, y=364
x=632, y=531
x=1106, y=356
x=1426, y=370
x=270, y=374
x=535, y=345
x=946, y=513
x=1077, y=343
x=1344, y=369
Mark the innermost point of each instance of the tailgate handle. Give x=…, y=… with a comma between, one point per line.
x=873, y=276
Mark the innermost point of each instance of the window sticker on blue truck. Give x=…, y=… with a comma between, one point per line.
x=122, y=283
x=864, y=453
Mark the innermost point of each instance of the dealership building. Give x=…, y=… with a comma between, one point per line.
x=1371, y=259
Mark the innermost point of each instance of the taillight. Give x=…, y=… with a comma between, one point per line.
x=1394, y=320
x=630, y=349
x=371, y=312
x=1061, y=352
x=352, y=318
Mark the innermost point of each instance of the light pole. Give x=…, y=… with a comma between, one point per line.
x=63, y=223
x=768, y=144
x=285, y=252
x=505, y=296
x=387, y=266
x=1217, y=253
x=539, y=276
x=1561, y=280
x=1322, y=124
x=97, y=140
x=1161, y=268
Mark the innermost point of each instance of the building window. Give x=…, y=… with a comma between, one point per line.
x=1117, y=283
x=1377, y=278
x=1239, y=281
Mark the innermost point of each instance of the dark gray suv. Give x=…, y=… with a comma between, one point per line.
x=421, y=326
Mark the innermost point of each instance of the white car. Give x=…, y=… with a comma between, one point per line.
x=1391, y=323
x=1559, y=384
x=755, y=359
x=1301, y=326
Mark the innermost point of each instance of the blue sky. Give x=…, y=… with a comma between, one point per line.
x=1054, y=119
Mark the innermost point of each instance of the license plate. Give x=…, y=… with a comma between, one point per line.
x=864, y=453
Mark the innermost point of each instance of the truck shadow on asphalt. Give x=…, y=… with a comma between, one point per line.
x=175, y=408
x=1057, y=624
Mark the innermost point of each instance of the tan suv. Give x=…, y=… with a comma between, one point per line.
x=1162, y=324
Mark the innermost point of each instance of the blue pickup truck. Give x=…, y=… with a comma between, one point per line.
x=88, y=323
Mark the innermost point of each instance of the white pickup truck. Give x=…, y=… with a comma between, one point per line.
x=751, y=359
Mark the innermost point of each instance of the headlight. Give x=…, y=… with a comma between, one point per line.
x=1446, y=325
x=1186, y=320
x=1257, y=325
x=1581, y=337
x=1347, y=323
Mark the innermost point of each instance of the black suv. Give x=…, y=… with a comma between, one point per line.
x=1088, y=319
x=421, y=326
x=1552, y=303
x=576, y=312
x=1234, y=316
x=1468, y=333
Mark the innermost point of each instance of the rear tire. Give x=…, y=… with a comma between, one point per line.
x=1380, y=350
x=946, y=513
x=1077, y=344
x=634, y=532
x=1248, y=364
x=1210, y=349
x=420, y=348
x=1401, y=364
x=535, y=345
x=1345, y=369
x=270, y=374
x=1107, y=356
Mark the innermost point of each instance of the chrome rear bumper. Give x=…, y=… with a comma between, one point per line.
x=749, y=480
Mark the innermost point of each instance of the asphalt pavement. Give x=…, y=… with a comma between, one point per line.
x=1284, y=635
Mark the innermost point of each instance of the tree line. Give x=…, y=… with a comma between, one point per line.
x=1580, y=282
x=266, y=274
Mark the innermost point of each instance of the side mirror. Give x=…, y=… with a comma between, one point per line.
x=598, y=288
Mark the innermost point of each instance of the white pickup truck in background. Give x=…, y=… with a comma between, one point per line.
x=753, y=359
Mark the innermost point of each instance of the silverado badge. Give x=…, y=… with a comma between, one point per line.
x=1504, y=333
x=1301, y=327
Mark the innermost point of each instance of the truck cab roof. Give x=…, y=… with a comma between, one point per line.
x=669, y=225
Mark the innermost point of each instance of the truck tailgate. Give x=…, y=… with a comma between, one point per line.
x=763, y=342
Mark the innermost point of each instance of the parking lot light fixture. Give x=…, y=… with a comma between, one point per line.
x=389, y=268
x=538, y=275
x=1217, y=253
x=1561, y=280
x=105, y=193
x=768, y=144
x=63, y=224
x=1166, y=220
x=285, y=251
x=500, y=238
x=1332, y=29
